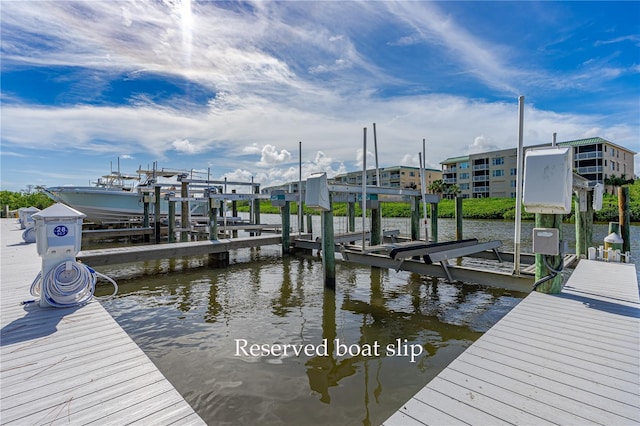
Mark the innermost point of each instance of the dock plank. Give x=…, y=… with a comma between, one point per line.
x=572, y=358
x=75, y=365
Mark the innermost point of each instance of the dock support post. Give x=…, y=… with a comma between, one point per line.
x=584, y=225
x=434, y=222
x=553, y=285
x=184, y=212
x=172, y=221
x=415, y=219
x=624, y=217
x=213, y=220
x=286, y=219
x=328, y=248
x=234, y=213
x=309, y=223
x=156, y=214
x=351, y=214
x=256, y=210
x=458, y=218
x=145, y=220
x=376, y=226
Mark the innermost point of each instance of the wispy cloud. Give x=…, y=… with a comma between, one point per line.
x=270, y=74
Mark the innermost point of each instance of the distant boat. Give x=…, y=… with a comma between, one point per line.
x=116, y=198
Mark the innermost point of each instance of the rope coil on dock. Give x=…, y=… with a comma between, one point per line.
x=68, y=284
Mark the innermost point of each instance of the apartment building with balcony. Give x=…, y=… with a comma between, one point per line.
x=393, y=177
x=493, y=174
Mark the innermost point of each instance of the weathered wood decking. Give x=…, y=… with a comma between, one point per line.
x=572, y=358
x=72, y=366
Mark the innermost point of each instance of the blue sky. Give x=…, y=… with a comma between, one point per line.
x=232, y=87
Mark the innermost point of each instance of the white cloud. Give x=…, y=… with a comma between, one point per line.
x=185, y=146
x=270, y=156
x=481, y=144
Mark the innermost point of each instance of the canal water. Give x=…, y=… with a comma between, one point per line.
x=364, y=349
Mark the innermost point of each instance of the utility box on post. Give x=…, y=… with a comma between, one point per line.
x=58, y=237
x=317, y=193
x=548, y=181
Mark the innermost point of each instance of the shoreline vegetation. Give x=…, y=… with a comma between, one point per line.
x=472, y=208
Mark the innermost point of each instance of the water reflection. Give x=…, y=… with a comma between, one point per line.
x=187, y=321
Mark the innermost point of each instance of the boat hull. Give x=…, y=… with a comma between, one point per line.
x=107, y=206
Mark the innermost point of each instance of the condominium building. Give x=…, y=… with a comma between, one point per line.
x=493, y=174
x=394, y=177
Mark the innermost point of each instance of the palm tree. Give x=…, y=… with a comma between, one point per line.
x=437, y=187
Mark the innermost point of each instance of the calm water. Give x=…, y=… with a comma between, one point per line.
x=188, y=319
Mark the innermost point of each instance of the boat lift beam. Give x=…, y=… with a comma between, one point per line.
x=495, y=279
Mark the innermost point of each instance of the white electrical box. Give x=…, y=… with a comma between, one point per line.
x=25, y=213
x=546, y=241
x=317, y=192
x=548, y=181
x=598, y=190
x=58, y=231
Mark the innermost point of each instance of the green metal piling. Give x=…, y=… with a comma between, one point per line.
x=553, y=285
x=286, y=223
x=624, y=217
x=184, y=212
x=584, y=225
x=458, y=218
x=328, y=248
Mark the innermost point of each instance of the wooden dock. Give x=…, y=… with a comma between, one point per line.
x=572, y=358
x=113, y=256
x=72, y=366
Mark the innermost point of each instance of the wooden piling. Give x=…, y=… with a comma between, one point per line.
x=584, y=225
x=184, y=212
x=624, y=217
x=328, y=248
x=286, y=223
x=552, y=285
x=459, y=218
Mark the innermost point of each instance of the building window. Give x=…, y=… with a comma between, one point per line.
x=513, y=172
x=497, y=173
x=497, y=161
x=513, y=184
x=613, y=166
x=464, y=186
x=464, y=175
x=412, y=174
x=464, y=165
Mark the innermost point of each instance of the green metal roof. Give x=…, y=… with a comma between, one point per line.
x=455, y=159
x=592, y=141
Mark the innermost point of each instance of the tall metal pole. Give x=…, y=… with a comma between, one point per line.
x=375, y=148
x=520, y=171
x=424, y=198
x=364, y=186
x=300, y=187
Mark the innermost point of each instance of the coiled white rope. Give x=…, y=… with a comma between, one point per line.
x=29, y=235
x=69, y=284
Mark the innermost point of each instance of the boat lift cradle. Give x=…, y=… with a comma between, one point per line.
x=434, y=252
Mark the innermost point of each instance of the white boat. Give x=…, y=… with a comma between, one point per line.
x=114, y=199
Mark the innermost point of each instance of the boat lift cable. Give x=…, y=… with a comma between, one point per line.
x=554, y=272
x=69, y=284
